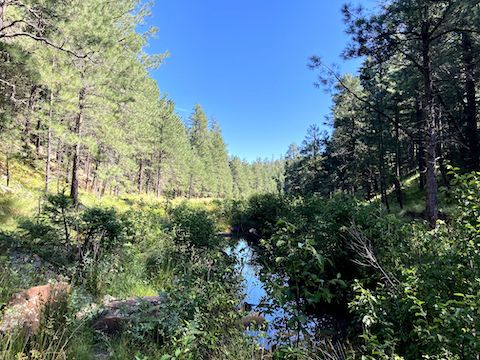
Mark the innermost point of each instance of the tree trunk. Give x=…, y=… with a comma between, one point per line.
x=411, y=151
x=59, y=152
x=3, y=9
x=37, y=137
x=140, y=177
x=398, y=175
x=470, y=111
x=95, y=179
x=440, y=153
x=368, y=186
x=148, y=181
x=383, y=178
x=49, y=157
x=27, y=129
x=49, y=145
x=104, y=188
x=158, y=183
x=67, y=168
x=7, y=170
x=190, y=186
x=421, y=147
x=87, y=171
x=430, y=130
x=76, y=153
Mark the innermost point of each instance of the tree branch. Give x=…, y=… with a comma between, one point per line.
x=366, y=256
x=14, y=91
x=360, y=98
x=46, y=41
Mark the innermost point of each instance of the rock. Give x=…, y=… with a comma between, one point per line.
x=24, y=310
x=44, y=271
x=115, y=314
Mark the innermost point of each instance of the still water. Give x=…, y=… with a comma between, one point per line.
x=255, y=293
x=256, y=296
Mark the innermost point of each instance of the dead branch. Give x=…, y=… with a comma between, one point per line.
x=362, y=246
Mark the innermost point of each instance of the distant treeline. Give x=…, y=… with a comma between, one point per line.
x=77, y=100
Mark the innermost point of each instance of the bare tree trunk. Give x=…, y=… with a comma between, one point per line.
x=421, y=147
x=67, y=168
x=27, y=130
x=368, y=184
x=3, y=9
x=421, y=165
x=147, y=183
x=383, y=178
x=59, y=155
x=398, y=175
x=440, y=152
x=7, y=169
x=140, y=177
x=104, y=187
x=411, y=151
x=381, y=145
x=37, y=137
x=49, y=156
x=190, y=186
x=76, y=153
x=430, y=130
x=49, y=145
x=375, y=184
x=157, y=183
x=470, y=111
x=95, y=177
x=87, y=171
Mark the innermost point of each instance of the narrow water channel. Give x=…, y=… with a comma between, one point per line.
x=256, y=296
x=253, y=289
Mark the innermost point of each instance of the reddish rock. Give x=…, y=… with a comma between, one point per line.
x=24, y=310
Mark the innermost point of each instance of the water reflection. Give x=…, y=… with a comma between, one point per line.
x=257, y=301
x=255, y=295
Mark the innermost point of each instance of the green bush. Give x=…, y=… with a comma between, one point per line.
x=194, y=227
x=431, y=311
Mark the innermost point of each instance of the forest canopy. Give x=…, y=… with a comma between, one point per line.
x=78, y=102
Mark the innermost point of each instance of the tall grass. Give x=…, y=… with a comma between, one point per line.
x=55, y=340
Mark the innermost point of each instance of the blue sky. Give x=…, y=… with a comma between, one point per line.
x=245, y=62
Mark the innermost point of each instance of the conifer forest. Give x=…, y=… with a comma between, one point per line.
x=130, y=230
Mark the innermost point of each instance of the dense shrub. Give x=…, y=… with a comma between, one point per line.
x=260, y=213
x=141, y=252
x=431, y=311
x=306, y=250
x=193, y=226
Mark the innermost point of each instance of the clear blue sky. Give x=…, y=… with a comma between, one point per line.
x=245, y=62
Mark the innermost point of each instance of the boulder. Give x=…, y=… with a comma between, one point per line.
x=25, y=309
x=117, y=313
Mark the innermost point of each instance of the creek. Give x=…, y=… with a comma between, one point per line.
x=256, y=297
